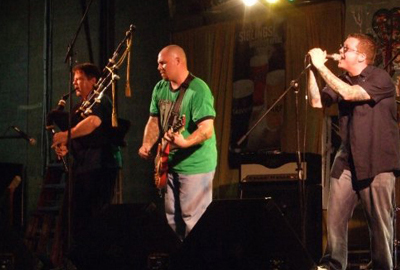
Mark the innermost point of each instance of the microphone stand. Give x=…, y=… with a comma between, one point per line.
x=294, y=84
x=69, y=59
x=391, y=61
x=2, y=137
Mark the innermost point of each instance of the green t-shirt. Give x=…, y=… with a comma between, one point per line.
x=197, y=105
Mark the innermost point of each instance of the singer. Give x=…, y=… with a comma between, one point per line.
x=96, y=158
x=368, y=159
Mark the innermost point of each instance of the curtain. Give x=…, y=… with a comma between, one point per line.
x=210, y=56
x=319, y=25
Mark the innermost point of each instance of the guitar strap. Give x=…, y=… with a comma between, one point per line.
x=177, y=105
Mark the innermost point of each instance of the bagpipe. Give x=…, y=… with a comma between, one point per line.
x=108, y=79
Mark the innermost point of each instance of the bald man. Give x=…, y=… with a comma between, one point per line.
x=193, y=156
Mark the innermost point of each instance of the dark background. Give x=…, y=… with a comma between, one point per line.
x=35, y=36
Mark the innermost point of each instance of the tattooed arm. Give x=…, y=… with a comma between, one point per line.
x=348, y=92
x=203, y=132
x=313, y=90
x=150, y=137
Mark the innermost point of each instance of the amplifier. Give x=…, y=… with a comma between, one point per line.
x=275, y=176
x=261, y=173
x=265, y=167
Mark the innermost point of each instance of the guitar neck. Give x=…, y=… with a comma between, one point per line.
x=164, y=144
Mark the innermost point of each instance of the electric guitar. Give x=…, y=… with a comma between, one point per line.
x=161, y=160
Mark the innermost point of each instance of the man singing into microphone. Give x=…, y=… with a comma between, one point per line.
x=369, y=155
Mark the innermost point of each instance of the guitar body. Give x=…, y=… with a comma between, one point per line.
x=161, y=160
x=161, y=165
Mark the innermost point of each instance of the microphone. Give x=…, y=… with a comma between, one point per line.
x=25, y=136
x=334, y=57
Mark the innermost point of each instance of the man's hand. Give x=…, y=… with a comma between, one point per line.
x=60, y=143
x=61, y=150
x=144, y=151
x=176, y=140
x=203, y=132
x=60, y=138
x=318, y=57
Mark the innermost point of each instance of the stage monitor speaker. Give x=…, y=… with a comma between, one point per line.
x=242, y=234
x=14, y=255
x=286, y=194
x=126, y=236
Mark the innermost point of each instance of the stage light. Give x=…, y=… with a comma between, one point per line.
x=249, y=2
x=272, y=1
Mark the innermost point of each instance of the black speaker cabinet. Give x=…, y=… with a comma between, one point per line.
x=126, y=236
x=14, y=255
x=242, y=234
x=286, y=194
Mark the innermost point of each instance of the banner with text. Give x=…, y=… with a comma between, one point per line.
x=258, y=81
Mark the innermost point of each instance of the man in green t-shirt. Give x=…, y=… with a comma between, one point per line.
x=193, y=155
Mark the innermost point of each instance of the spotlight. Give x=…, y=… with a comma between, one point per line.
x=272, y=1
x=249, y=2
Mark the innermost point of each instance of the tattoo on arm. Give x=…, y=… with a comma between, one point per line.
x=151, y=132
x=197, y=137
x=348, y=92
x=201, y=136
x=313, y=91
x=203, y=132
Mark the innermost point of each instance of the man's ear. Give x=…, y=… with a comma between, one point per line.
x=362, y=57
x=178, y=60
x=93, y=80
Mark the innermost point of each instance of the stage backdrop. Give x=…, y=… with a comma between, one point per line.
x=258, y=81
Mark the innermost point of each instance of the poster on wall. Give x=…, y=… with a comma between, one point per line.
x=258, y=81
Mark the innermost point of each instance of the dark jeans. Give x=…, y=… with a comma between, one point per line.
x=378, y=201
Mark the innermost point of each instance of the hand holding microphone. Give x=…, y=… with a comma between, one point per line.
x=319, y=57
x=334, y=56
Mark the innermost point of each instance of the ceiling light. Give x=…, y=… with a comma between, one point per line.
x=249, y=2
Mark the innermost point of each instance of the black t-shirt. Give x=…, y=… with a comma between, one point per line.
x=95, y=150
x=368, y=129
